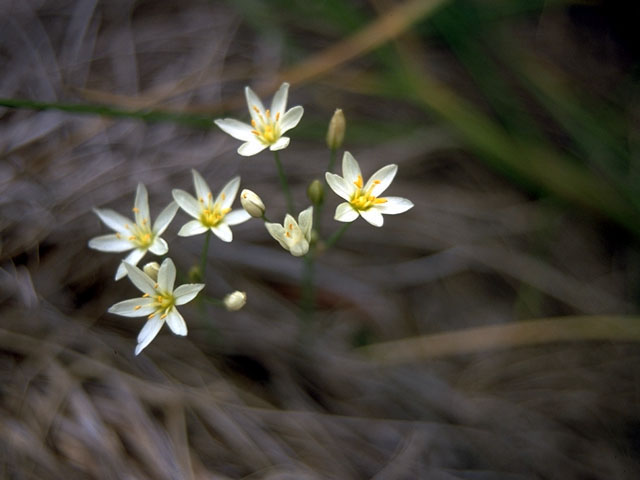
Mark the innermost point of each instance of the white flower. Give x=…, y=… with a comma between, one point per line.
x=293, y=236
x=235, y=300
x=217, y=215
x=365, y=200
x=139, y=235
x=267, y=126
x=158, y=302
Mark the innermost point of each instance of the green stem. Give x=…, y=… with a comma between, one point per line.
x=284, y=184
x=336, y=236
x=147, y=115
x=332, y=159
x=203, y=258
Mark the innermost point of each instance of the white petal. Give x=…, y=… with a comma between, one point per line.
x=279, y=102
x=305, y=220
x=166, y=275
x=186, y=202
x=394, y=205
x=164, y=219
x=141, y=204
x=141, y=280
x=373, y=216
x=251, y=148
x=111, y=243
x=133, y=258
x=236, y=217
x=187, y=292
x=113, y=220
x=202, y=189
x=345, y=213
x=235, y=128
x=149, y=332
x=176, y=322
x=159, y=246
x=350, y=168
x=127, y=308
x=194, y=227
x=300, y=248
x=384, y=177
x=223, y=232
x=254, y=101
x=291, y=118
x=228, y=194
x=281, y=144
x=339, y=185
x=276, y=231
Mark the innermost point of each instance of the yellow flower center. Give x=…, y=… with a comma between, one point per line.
x=267, y=129
x=163, y=302
x=212, y=213
x=141, y=234
x=364, y=200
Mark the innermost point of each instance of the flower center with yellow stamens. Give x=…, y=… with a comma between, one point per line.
x=212, y=215
x=141, y=234
x=364, y=200
x=163, y=302
x=267, y=129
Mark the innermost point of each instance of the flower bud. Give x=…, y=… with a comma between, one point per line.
x=252, y=203
x=337, y=127
x=195, y=274
x=315, y=192
x=235, y=301
x=151, y=269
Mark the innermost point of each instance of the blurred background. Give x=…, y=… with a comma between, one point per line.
x=488, y=333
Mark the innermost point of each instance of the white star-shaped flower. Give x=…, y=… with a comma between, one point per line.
x=209, y=214
x=365, y=200
x=267, y=125
x=139, y=235
x=158, y=303
x=293, y=236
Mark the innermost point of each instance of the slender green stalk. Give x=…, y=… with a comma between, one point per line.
x=336, y=236
x=203, y=258
x=147, y=115
x=332, y=160
x=284, y=184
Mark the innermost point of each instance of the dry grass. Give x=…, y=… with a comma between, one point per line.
x=244, y=395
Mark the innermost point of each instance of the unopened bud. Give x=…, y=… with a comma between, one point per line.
x=151, y=269
x=252, y=203
x=315, y=192
x=195, y=274
x=235, y=301
x=337, y=127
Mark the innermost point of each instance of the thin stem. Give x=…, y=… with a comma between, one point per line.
x=147, y=115
x=283, y=183
x=336, y=236
x=332, y=160
x=203, y=258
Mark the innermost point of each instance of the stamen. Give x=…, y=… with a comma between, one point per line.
x=223, y=196
x=137, y=307
x=209, y=196
x=358, y=182
x=378, y=201
x=144, y=221
x=267, y=113
x=255, y=132
x=155, y=285
x=164, y=315
x=277, y=116
x=135, y=210
x=146, y=295
x=253, y=123
x=118, y=236
x=288, y=234
x=132, y=237
x=377, y=182
x=152, y=315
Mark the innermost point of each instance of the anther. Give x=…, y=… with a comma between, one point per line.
x=137, y=307
x=135, y=209
x=267, y=113
x=151, y=316
x=277, y=116
x=146, y=295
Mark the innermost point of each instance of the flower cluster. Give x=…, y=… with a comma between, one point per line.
x=214, y=214
x=156, y=281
